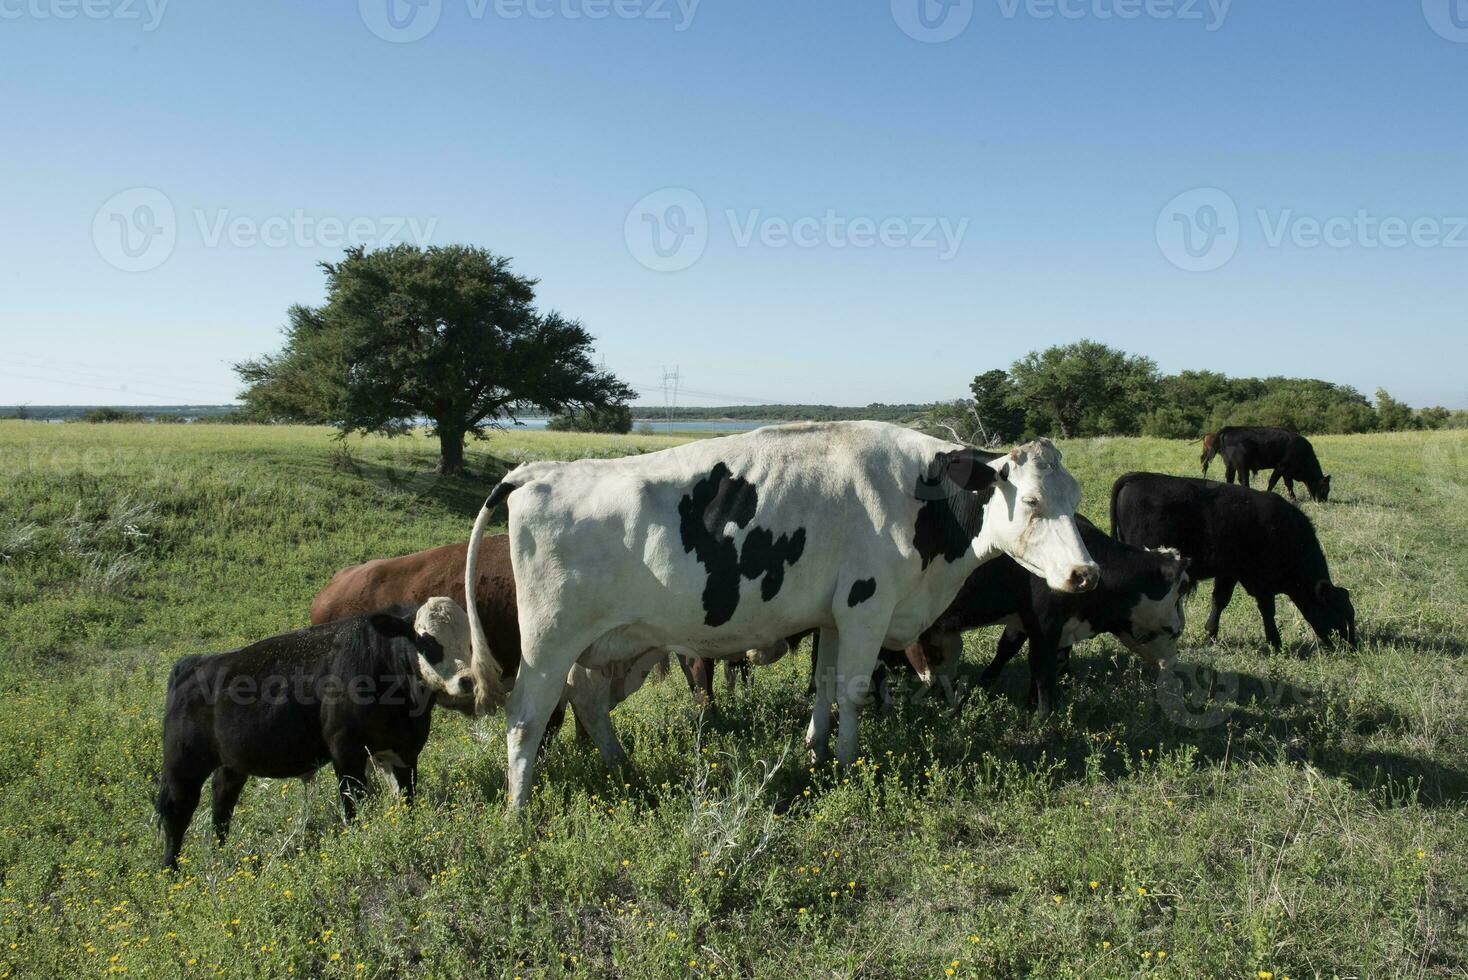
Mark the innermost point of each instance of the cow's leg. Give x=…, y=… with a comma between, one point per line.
x=1273, y=479
x=178, y=798
x=699, y=671
x=1044, y=651
x=350, y=762
x=1009, y=644
x=1290, y=487
x=591, y=697
x=735, y=669
x=858, y=646
x=882, y=687
x=823, y=679
x=553, y=726
x=948, y=645
x=1228, y=471
x=537, y=691
x=1266, y=611
x=1244, y=476
x=407, y=780
x=1223, y=591
x=225, y=792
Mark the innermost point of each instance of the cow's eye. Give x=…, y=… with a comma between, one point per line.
x=1032, y=502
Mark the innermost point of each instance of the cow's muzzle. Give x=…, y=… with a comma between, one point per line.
x=1082, y=578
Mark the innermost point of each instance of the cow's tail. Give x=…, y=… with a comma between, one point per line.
x=1210, y=449
x=1116, y=489
x=489, y=682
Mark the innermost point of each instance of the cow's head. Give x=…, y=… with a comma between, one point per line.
x=441, y=634
x=1030, y=514
x=1329, y=611
x=1320, y=489
x=1155, y=622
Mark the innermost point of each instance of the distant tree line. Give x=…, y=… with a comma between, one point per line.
x=102, y=413
x=1090, y=389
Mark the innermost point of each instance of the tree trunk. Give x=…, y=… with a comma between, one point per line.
x=450, y=451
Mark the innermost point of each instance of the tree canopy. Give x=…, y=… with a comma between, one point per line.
x=1084, y=389
x=1088, y=389
x=449, y=334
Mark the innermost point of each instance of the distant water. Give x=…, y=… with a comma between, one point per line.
x=681, y=425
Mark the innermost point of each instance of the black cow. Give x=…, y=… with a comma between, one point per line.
x=1236, y=536
x=1248, y=449
x=1139, y=601
x=345, y=692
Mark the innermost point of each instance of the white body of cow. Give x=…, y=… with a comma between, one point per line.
x=861, y=529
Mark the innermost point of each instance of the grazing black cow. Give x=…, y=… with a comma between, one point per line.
x=1139, y=601
x=1236, y=536
x=1249, y=449
x=351, y=690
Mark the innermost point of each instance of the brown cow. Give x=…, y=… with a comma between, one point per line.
x=384, y=582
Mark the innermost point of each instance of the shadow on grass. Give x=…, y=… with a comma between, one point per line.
x=1228, y=717
x=394, y=471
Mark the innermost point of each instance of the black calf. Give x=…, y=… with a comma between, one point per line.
x=343, y=693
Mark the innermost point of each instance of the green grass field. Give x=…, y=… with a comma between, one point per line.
x=1311, y=820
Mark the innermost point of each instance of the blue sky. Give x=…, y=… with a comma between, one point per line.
x=846, y=212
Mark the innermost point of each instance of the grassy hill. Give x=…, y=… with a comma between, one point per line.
x=1309, y=821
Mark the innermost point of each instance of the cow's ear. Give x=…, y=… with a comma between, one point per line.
x=389, y=625
x=970, y=471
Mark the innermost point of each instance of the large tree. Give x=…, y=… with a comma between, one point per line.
x=1084, y=389
x=449, y=334
x=1002, y=417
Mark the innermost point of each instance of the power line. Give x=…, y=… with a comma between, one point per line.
x=78, y=384
x=34, y=364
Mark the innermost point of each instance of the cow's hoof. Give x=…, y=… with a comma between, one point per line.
x=818, y=755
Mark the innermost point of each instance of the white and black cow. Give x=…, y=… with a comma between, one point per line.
x=861, y=529
x=345, y=692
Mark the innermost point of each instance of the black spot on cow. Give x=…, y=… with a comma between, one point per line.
x=766, y=555
x=715, y=502
x=950, y=517
x=861, y=590
x=431, y=649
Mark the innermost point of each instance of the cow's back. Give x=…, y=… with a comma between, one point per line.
x=1153, y=510
x=1222, y=528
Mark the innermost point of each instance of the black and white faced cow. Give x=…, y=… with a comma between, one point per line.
x=1236, y=536
x=345, y=692
x=861, y=529
x=1139, y=601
